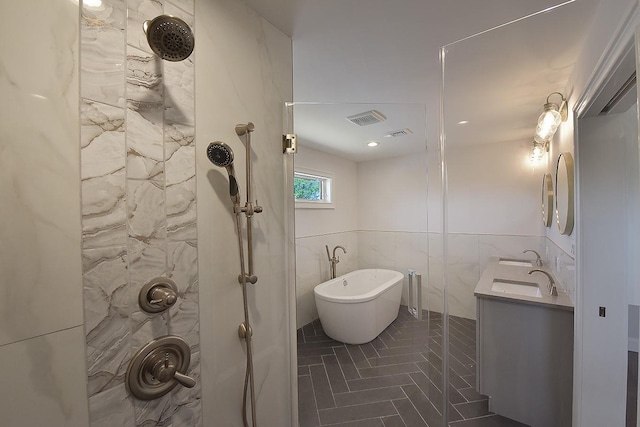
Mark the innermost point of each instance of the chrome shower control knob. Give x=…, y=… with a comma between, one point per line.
x=158, y=367
x=158, y=295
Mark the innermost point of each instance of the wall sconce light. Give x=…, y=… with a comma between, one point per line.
x=550, y=119
x=538, y=151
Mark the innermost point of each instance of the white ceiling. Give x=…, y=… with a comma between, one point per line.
x=382, y=51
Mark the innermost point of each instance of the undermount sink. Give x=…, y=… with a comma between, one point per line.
x=516, y=288
x=515, y=262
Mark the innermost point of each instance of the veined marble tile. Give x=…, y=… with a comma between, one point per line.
x=113, y=407
x=103, y=127
x=145, y=82
x=183, y=269
x=176, y=135
x=145, y=148
x=181, y=211
x=103, y=53
x=103, y=176
x=45, y=381
x=146, y=207
x=155, y=412
x=147, y=260
x=104, y=211
x=109, y=12
x=138, y=12
x=187, y=402
x=180, y=166
x=146, y=327
x=186, y=5
x=107, y=306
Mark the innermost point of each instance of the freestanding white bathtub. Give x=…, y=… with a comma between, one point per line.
x=356, y=307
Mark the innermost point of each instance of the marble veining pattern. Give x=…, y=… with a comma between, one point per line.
x=138, y=206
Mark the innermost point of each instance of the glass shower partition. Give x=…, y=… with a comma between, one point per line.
x=494, y=85
x=380, y=213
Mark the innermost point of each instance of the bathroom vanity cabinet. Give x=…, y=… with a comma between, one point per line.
x=525, y=350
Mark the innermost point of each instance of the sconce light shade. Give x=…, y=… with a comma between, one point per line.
x=537, y=152
x=550, y=119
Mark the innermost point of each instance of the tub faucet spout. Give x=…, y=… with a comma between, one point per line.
x=333, y=260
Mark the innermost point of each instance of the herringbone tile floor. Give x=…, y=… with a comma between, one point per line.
x=393, y=381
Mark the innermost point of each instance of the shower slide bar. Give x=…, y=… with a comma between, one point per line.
x=415, y=295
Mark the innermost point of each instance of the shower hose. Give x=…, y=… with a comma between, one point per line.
x=248, y=378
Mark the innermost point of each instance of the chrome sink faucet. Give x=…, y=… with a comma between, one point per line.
x=538, y=258
x=551, y=286
x=333, y=260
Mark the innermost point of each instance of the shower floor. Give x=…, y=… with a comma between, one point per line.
x=393, y=381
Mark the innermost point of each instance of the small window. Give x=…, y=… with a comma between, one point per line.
x=312, y=189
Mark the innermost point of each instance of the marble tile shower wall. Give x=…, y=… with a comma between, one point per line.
x=138, y=205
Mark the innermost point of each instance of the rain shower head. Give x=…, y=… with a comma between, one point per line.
x=220, y=154
x=169, y=37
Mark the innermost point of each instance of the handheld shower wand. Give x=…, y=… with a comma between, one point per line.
x=220, y=154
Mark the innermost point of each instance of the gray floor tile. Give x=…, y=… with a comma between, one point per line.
x=396, y=360
x=425, y=407
x=356, y=412
x=371, y=422
x=368, y=396
x=388, y=370
x=349, y=369
x=369, y=350
x=394, y=381
x=408, y=413
x=321, y=388
x=336, y=379
x=358, y=356
x=379, y=382
x=307, y=409
x=421, y=348
x=393, y=421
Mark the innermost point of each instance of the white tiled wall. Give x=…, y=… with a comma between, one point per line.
x=42, y=360
x=244, y=74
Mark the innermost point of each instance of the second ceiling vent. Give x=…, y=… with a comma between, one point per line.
x=367, y=118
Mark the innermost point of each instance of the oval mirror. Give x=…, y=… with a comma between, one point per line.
x=564, y=193
x=547, y=199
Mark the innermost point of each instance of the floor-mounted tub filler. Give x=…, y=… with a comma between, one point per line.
x=356, y=307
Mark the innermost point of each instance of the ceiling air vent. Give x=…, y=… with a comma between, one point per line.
x=367, y=118
x=400, y=132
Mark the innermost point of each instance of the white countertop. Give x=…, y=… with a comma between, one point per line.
x=513, y=273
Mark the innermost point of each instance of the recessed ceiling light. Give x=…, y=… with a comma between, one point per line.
x=463, y=122
x=372, y=144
